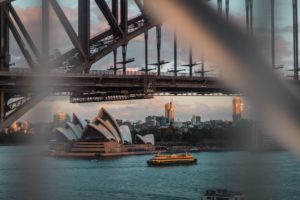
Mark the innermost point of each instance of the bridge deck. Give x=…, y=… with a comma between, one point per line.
x=132, y=83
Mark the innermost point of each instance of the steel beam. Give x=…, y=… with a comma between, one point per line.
x=2, y=107
x=191, y=60
x=110, y=17
x=295, y=35
x=102, y=81
x=115, y=60
x=84, y=25
x=124, y=16
x=19, y=40
x=24, y=31
x=21, y=111
x=115, y=12
x=158, y=45
x=124, y=56
x=146, y=52
x=202, y=66
x=119, y=43
x=4, y=41
x=273, y=32
x=247, y=6
x=251, y=16
x=112, y=47
x=175, y=53
x=124, y=26
x=68, y=28
x=115, y=9
x=108, y=33
x=45, y=33
x=84, y=28
x=227, y=9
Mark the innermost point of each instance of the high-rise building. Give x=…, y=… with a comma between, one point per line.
x=237, y=109
x=196, y=120
x=151, y=121
x=162, y=120
x=170, y=111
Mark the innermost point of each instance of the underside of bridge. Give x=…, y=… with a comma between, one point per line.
x=20, y=90
x=14, y=103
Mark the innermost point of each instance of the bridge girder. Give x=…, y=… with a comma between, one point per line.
x=106, y=42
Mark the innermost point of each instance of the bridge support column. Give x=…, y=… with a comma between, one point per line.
x=158, y=44
x=115, y=11
x=124, y=55
x=191, y=61
x=45, y=34
x=295, y=35
x=146, y=52
x=202, y=66
x=251, y=16
x=4, y=42
x=273, y=33
x=247, y=15
x=84, y=29
x=124, y=16
x=175, y=53
x=2, y=107
x=115, y=61
x=124, y=26
x=227, y=10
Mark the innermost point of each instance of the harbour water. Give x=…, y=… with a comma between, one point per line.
x=24, y=174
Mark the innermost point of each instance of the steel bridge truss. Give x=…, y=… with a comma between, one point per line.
x=86, y=50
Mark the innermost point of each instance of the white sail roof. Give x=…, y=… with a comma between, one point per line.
x=67, y=133
x=101, y=130
x=110, y=123
x=76, y=129
x=126, y=134
x=147, y=139
x=78, y=122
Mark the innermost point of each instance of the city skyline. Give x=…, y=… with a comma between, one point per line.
x=221, y=110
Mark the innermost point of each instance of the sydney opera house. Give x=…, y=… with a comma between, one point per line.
x=102, y=137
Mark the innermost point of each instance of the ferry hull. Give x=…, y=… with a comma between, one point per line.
x=153, y=163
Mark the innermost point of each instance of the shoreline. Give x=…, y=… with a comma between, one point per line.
x=191, y=150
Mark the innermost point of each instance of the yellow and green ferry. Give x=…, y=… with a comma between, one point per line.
x=172, y=159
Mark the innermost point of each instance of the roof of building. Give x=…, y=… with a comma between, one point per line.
x=126, y=134
x=147, y=139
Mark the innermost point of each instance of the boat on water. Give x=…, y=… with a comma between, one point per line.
x=172, y=159
x=223, y=194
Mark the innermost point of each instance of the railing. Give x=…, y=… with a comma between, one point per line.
x=15, y=104
x=74, y=99
x=105, y=73
x=141, y=73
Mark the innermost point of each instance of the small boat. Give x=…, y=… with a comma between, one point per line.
x=223, y=194
x=172, y=159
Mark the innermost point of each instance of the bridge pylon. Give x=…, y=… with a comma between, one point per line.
x=4, y=41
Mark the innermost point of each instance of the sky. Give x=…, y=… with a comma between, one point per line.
x=207, y=107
